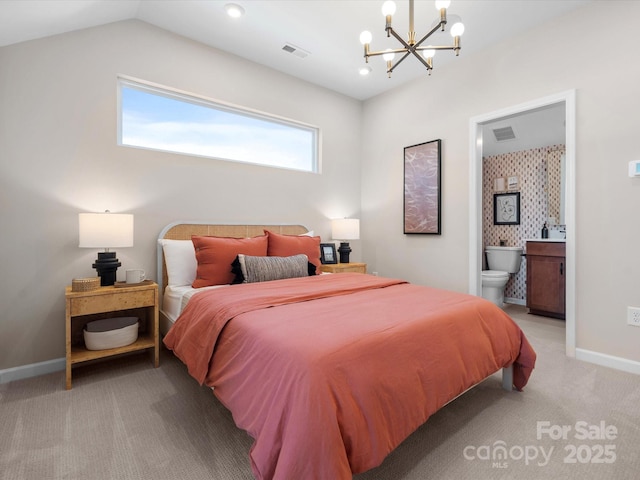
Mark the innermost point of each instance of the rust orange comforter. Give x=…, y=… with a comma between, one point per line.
x=330, y=373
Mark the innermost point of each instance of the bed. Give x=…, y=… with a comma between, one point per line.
x=327, y=372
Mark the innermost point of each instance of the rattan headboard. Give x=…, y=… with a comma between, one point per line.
x=184, y=231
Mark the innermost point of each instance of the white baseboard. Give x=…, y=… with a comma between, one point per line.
x=516, y=301
x=610, y=361
x=50, y=366
x=32, y=370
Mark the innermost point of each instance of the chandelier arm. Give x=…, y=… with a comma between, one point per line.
x=422, y=60
x=433, y=30
x=400, y=39
x=389, y=70
x=413, y=50
x=384, y=52
x=435, y=47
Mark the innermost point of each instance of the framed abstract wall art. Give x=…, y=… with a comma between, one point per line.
x=506, y=208
x=422, y=188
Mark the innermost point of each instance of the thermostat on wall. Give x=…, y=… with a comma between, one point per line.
x=634, y=168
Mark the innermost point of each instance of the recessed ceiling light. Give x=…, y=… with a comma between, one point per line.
x=234, y=10
x=364, y=71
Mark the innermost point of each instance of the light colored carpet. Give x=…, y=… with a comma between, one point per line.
x=126, y=420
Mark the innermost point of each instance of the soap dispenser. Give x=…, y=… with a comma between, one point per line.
x=545, y=231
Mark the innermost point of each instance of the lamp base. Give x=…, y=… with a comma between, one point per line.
x=344, y=250
x=106, y=266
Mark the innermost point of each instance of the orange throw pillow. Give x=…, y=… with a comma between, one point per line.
x=289, y=245
x=216, y=254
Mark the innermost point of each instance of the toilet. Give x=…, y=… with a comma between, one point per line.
x=502, y=263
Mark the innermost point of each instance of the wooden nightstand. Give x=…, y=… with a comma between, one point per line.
x=136, y=301
x=344, y=267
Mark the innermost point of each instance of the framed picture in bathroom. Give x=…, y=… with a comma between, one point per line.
x=506, y=208
x=422, y=188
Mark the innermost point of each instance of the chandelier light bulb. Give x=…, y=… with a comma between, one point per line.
x=388, y=56
x=365, y=37
x=364, y=71
x=440, y=4
x=457, y=29
x=388, y=8
x=429, y=53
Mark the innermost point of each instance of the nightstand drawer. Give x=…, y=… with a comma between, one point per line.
x=352, y=268
x=87, y=305
x=344, y=267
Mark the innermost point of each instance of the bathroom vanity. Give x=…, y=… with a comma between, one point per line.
x=546, y=266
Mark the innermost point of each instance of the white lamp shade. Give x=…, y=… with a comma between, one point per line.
x=345, y=229
x=105, y=230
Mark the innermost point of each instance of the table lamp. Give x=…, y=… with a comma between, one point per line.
x=345, y=229
x=105, y=230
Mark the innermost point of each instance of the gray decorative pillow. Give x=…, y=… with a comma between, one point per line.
x=264, y=269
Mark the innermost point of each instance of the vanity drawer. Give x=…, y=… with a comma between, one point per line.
x=547, y=249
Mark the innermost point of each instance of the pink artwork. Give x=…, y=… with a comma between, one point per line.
x=422, y=188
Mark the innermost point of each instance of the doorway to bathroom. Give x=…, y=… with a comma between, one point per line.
x=478, y=125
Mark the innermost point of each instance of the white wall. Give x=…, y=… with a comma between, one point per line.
x=567, y=53
x=59, y=157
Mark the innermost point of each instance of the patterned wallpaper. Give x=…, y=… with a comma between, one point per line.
x=531, y=169
x=554, y=179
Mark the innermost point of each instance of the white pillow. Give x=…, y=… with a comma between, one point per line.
x=308, y=234
x=180, y=259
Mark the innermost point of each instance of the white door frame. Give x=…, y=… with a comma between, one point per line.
x=475, y=199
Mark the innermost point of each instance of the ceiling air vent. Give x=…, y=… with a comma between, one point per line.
x=297, y=51
x=505, y=133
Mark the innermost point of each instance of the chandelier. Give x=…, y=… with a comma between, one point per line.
x=411, y=46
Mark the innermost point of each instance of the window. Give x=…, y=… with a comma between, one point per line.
x=160, y=119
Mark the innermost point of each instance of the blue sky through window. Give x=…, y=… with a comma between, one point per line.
x=195, y=127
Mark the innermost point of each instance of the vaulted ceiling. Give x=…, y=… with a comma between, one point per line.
x=327, y=31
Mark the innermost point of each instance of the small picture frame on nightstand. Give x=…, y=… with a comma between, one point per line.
x=328, y=253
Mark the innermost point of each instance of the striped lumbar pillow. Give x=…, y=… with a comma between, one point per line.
x=264, y=269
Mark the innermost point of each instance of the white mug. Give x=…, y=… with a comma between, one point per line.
x=135, y=275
